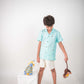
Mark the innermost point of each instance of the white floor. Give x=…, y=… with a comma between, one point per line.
x=60, y=80
x=47, y=79
x=72, y=79
x=11, y=78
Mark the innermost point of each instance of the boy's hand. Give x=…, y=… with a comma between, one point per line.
x=66, y=59
x=38, y=59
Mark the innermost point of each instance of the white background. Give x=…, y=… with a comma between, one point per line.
x=20, y=23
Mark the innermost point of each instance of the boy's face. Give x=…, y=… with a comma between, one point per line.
x=49, y=28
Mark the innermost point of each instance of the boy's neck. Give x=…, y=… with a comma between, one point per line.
x=49, y=30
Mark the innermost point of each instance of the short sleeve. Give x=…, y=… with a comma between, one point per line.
x=40, y=36
x=59, y=37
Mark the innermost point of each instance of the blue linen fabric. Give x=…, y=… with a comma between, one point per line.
x=49, y=43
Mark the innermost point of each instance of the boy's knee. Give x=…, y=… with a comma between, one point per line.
x=41, y=69
x=53, y=70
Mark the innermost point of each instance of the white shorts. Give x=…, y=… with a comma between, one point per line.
x=49, y=63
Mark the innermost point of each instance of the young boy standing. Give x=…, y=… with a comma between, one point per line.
x=48, y=39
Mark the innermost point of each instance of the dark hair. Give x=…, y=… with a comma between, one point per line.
x=48, y=20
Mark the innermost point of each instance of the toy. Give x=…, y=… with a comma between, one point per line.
x=29, y=68
x=66, y=71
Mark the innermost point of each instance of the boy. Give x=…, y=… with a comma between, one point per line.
x=48, y=39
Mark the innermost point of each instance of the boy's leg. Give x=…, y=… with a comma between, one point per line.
x=51, y=66
x=40, y=74
x=42, y=67
x=54, y=75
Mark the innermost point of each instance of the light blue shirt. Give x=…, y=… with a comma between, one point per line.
x=48, y=43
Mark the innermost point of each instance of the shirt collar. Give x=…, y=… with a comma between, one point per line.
x=51, y=31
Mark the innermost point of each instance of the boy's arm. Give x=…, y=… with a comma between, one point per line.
x=63, y=50
x=38, y=51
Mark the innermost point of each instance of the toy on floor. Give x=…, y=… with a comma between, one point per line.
x=66, y=71
x=29, y=68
